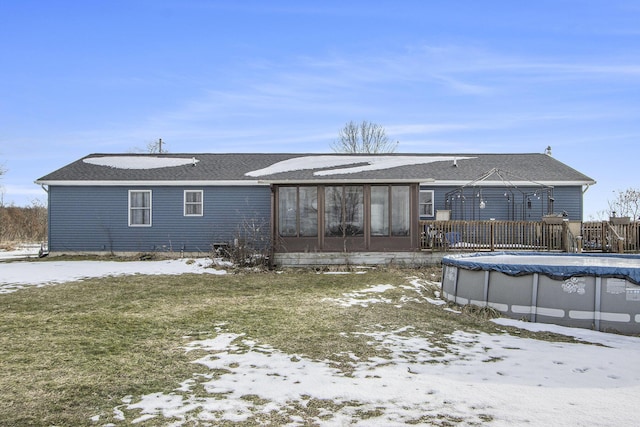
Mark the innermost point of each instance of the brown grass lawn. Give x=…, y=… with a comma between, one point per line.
x=70, y=351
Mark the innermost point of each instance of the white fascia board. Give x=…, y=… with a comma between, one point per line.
x=152, y=183
x=342, y=181
x=512, y=183
x=245, y=183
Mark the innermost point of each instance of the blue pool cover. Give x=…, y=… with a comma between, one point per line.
x=555, y=265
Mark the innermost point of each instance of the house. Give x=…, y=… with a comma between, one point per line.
x=300, y=203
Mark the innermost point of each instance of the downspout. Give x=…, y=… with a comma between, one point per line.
x=42, y=250
x=272, y=226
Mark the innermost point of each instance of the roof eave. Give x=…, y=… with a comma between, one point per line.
x=147, y=183
x=460, y=183
x=424, y=181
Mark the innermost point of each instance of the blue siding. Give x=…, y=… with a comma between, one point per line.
x=570, y=200
x=96, y=218
x=513, y=206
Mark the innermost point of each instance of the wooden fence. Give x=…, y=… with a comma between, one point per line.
x=556, y=235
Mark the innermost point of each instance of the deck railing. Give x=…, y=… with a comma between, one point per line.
x=611, y=236
x=547, y=235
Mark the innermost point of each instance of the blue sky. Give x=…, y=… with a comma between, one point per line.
x=82, y=77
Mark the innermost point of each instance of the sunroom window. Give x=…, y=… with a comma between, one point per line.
x=400, y=210
x=343, y=211
x=380, y=211
x=139, y=208
x=298, y=211
x=390, y=210
x=288, y=211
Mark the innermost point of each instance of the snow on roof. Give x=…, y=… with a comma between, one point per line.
x=331, y=165
x=138, y=162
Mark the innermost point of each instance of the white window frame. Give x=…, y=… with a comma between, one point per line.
x=420, y=204
x=130, y=208
x=201, y=203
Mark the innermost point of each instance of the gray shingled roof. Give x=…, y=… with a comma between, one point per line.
x=234, y=167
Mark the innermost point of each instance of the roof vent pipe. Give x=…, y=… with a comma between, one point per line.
x=455, y=162
x=193, y=161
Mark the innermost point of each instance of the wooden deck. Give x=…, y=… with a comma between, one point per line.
x=552, y=234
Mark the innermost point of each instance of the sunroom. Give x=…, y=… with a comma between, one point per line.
x=346, y=217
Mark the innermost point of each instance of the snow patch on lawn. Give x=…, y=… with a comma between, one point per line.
x=363, y=297
x=20, y=252
x=18, y=275
x=463, y=378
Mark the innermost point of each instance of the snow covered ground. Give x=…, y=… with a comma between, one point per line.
x=500, y=380
x=17, y=275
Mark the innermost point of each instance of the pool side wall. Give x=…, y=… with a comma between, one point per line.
x=608, y=304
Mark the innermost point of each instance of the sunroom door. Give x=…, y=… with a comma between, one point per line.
x=344, y=220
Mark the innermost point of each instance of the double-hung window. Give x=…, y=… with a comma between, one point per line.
x=193, y=200
x=426, y=203
x=139, y=208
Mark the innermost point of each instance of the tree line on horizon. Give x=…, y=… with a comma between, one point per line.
x=21, y=224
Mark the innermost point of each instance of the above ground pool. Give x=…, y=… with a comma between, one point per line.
x=594, y=291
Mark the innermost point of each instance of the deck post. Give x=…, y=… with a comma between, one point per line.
x=491, y=233
x=566, y=246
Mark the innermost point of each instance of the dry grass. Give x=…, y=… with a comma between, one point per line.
x=68, y=352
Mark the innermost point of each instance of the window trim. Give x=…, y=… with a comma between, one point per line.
x=420, y=204
x=185, y=203
x=129, y=210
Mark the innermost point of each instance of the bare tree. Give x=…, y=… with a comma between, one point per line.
x=2, y=172
x=153, y=147
x=156, y=147
x=365, y=137
x=626, y=203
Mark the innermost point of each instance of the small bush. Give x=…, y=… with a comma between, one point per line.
x=481, y=312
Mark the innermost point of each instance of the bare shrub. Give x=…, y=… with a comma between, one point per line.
x=23, y=224
x=251, y=245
